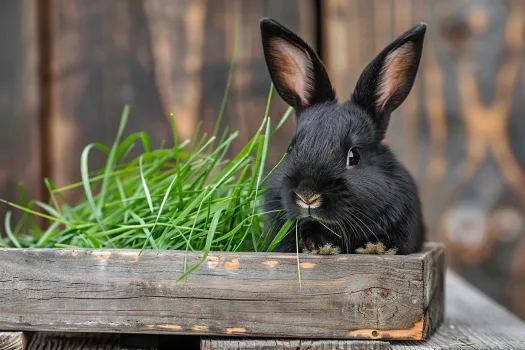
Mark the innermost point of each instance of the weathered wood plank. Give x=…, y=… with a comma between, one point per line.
x=19, y=102
x=12, y=341
x=460, y=130
x=91, y=341
x=248, y=294
x=281, y=344
x=472, y=321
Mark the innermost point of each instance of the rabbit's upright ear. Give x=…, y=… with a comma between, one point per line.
x=388, y=78
x=298, y=74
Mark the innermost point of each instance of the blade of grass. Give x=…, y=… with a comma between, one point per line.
x=230, y=76
x=84, y=174
x=177, y=159
x=145, y=186
x=54, y=219
x=209, y=239
x=146, y=231
x=297, y=252
x=9, y=232
x=112, y=159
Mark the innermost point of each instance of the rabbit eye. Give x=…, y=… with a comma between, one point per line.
x=353, y=158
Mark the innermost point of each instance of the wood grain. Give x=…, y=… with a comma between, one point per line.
x=92, y=341
x=241, y=294
x=19, y=102
x=161, y=57
x=472, y=321
x=12, y=341
x=241, y=344
x=460, y=130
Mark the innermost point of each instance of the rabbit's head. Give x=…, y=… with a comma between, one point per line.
x=337, y=167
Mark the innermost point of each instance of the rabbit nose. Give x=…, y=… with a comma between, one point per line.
x=308, y=200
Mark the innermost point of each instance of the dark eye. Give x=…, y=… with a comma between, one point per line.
x=353, y=158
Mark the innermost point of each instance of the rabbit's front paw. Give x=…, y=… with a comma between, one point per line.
x=376, y=248
x=320, y=246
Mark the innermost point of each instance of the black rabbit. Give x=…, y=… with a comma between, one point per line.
x=339, y=181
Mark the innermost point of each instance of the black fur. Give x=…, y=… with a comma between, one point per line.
x=374, y=201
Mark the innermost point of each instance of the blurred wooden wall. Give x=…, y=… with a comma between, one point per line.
x=69, y=66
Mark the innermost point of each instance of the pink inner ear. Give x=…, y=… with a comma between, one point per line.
x=394, y=74
x=293, y=65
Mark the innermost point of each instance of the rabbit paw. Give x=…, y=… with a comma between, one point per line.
x=320, y=246
x=376, y=248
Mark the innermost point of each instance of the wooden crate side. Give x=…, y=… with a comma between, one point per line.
x=434, y=267
x=243, y=294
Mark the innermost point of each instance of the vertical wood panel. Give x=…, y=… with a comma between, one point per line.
x=102, y=60
x=160, y=56
x=19, y=101
x=460, y=130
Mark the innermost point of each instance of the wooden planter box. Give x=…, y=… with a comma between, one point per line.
x=231, y=294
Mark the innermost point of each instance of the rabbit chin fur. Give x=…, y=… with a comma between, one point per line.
x=370, y=205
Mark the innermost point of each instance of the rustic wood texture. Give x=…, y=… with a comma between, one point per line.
x=110, y=341
x=91, y=341
x=244, y=294
x=460, y=130
x=472, y=321
x=12, y=341
x=160, y=56
x=19, y=102
x=239, y=344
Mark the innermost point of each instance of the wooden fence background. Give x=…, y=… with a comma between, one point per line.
x=67, y=67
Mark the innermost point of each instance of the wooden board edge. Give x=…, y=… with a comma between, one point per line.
x=289, y=344
x=13, y=340
x=434, y=270
x=104, y=253
x=414, y=333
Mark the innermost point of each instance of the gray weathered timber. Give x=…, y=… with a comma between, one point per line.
x=12, y=341
x=243, y=294
x=226, y=344
x=90, y=341
x=472, y=321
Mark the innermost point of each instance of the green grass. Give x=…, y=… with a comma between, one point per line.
x=187, y=197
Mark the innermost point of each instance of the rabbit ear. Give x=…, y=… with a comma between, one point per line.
x=388, y=78
x=298, y=74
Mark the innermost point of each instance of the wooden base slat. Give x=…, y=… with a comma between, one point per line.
x=246, y=344
x=12, y=341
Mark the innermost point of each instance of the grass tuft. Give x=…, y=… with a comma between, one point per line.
x=188, y=197
x=183, y=198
